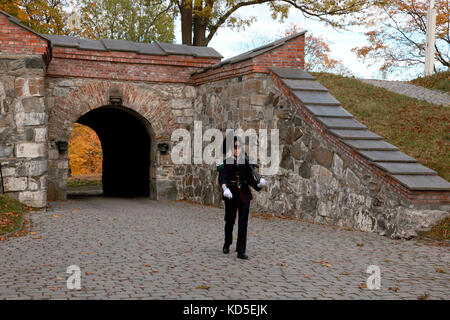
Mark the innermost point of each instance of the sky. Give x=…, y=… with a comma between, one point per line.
x=229, y=42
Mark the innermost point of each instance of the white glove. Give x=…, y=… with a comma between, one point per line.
x=226, y=192
x=261, y=183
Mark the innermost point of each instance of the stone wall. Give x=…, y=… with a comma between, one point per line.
x=316, y=181
x=162, y=108
x=23, y=128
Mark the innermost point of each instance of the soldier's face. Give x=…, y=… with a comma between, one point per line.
x=237, y=150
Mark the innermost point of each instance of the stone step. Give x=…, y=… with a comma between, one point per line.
x=386, y=156
x=370, y=145
x=423, y=182
x=355, y=134
x=332, y=112
x=405, y=168
x=316, y=98
x=304, y=85
x=341, y=123
x=292, y=73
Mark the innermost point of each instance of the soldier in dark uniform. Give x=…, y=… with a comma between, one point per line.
x=235, y=178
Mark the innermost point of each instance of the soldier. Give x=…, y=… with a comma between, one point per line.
x=235, y=177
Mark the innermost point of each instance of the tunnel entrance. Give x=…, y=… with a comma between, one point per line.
x=125, y=142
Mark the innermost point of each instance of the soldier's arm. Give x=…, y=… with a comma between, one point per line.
x=223, y=175
x=251, y=179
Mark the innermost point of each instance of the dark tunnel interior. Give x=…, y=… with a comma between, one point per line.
x=126, y=151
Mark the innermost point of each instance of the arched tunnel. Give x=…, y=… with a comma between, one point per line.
x=125, y=141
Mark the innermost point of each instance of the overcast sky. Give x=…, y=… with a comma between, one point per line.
x=227, y=41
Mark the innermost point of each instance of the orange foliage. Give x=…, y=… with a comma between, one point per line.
x=44, y=16
x=85, y=151
x=398, y=39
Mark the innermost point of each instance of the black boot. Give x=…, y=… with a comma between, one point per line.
x=226, y=249
x=242, y=255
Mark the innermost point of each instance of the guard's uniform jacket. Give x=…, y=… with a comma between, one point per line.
x=238, y=178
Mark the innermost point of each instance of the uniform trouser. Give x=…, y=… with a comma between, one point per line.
x=230, y=217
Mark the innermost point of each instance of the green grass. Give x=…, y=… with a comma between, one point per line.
x=83, y=183
x=438, y=81
x=417, y=128
x=11, y=214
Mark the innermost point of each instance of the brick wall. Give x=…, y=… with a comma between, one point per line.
x=130, y=66
x=17, y=40
x=291, y=54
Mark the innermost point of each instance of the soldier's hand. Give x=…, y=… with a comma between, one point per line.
x=226, y=192
x=261, y=183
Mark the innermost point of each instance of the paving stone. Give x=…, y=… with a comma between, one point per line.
x=341, y=123
x=292, y=73
x=410, y=90
x=386, y=156
x=181, y=240
x=356, y=134
x=316, y=98
x=337, y=112
x=423, y=182
x=370, y=144
x=309, y=85
x=405, y=168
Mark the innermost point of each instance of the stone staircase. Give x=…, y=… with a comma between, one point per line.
x=329, y=112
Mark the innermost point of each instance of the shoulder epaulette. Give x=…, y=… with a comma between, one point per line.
x=220, y=166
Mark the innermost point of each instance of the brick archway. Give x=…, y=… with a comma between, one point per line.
x=73, y=99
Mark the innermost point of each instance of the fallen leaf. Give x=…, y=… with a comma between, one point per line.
x=307, y=276
x=362, y=286
x=440, y=270
x=55, y=216
x=387, y=260
x=360, y=244
x=345, y=273
x=33, y=233
x=36, y=238
x=203, y=287
x=88, y=273
x=424, y=297
x=393, y=289
x=58, y=278
x=54, y=288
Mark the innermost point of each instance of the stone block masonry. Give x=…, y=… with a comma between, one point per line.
x=23, y=128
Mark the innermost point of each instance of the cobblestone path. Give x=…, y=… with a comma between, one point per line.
x=410, y=90
x=144, y=249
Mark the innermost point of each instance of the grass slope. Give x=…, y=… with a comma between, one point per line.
x=417, y=128
x=11, y=214
x=438, y=81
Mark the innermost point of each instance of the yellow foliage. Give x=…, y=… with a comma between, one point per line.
x=85, y=151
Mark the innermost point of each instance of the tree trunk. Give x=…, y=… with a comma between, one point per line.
x=199, y=27
x=200, y=35
x=186, y=22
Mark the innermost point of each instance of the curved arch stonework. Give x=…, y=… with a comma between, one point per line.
x=72, y=102
x=161, y=107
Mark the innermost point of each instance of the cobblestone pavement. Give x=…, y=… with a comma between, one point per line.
x=143, y=249
x=410, y=90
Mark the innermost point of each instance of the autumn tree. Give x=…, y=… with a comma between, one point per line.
x=134, y=20
x=85, y=151
x=201, y=19
x=44, y=16
x=318, y=57
x=398, y=37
